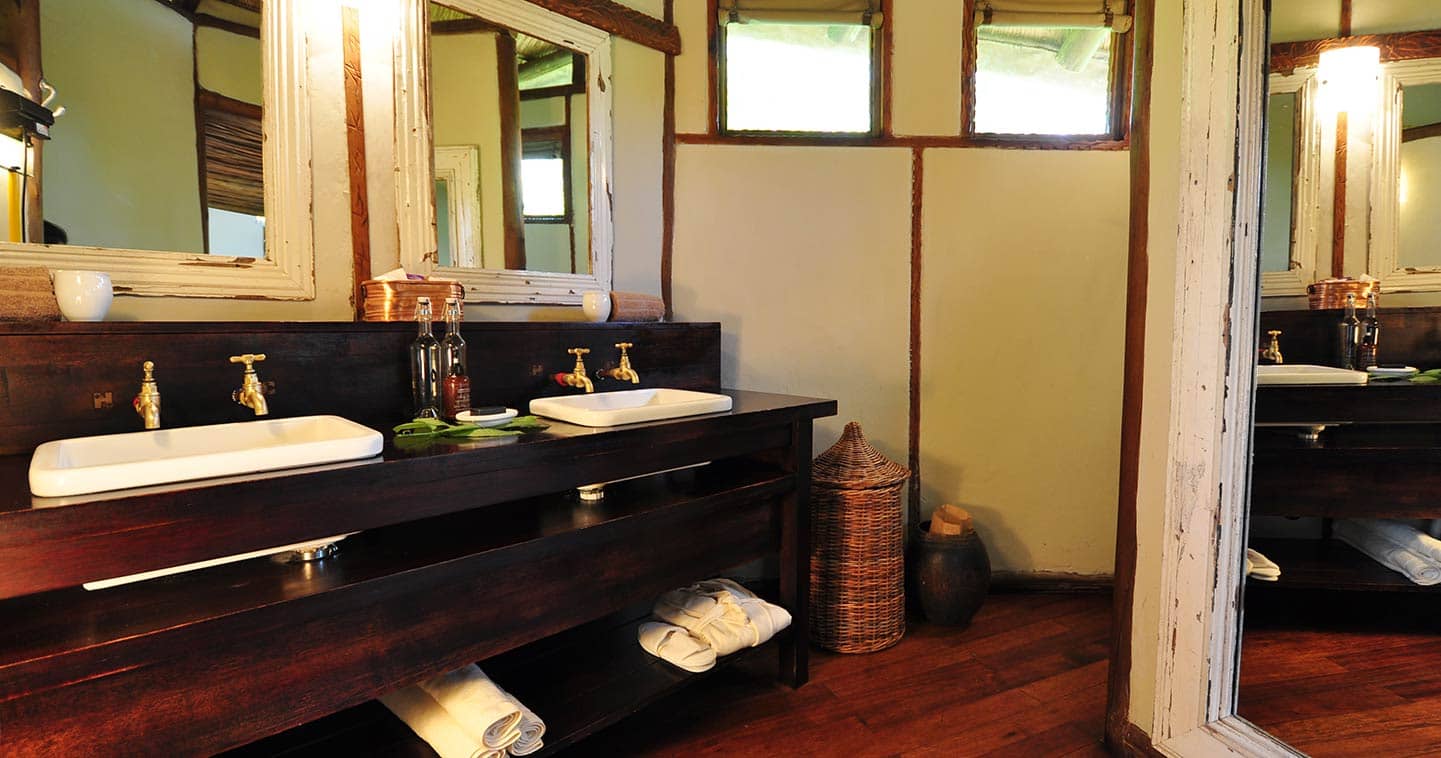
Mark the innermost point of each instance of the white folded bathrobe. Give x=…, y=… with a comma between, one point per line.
x=1261, y=567
x=435, y=725
x=1394, y=555
x=489, y=715
x=725, y=615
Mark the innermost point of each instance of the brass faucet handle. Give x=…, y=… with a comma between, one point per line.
x=624, y=346
x=149, y=368
x=1274, y=333
x=249, y=359
x=579, y=351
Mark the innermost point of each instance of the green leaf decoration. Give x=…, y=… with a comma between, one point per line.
x=1426, y=379
x=432, y=428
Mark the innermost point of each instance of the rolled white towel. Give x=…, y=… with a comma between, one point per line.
x=1407, y=536
x=484, y=710
x=1261, y=567
x=532, y=729
x=435, y=725
x=1387, y=552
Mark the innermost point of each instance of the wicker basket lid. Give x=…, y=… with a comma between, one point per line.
x=852, y=463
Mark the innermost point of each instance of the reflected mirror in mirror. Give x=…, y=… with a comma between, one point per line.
x=1419, y=182
x=156, y=143
x=511, y=133
x=1278, y=212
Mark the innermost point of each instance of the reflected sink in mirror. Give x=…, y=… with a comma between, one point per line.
x=604, y=409
x=84, y=465
x=1301, y=373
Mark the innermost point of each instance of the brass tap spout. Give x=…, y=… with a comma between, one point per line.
x=251, y=393
x=147, y=403
x=623, y=372
x=1272, y=352
x=576, y=377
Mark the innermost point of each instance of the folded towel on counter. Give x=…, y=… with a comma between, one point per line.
x=435, y=725
x=1261, y=567
x=676, y=646
x=532, y=729
x=1407, y=536
x=1363, y=536
x=487, y=713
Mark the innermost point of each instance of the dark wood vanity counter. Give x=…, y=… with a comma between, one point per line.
x=464, y=551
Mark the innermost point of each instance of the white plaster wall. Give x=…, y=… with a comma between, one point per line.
x=229, y=64
x=1022, y=343
x=803, y=255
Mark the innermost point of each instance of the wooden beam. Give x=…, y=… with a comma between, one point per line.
x=1421, y=132
x=610, y=16
x=1345, y=25
x=355, y=149
x=667, y=178
x=913, y=449
x=1403, y=46
x=225, y=24
x=218, y=102
x=510, y=151
x=464, y=26
x=1338, y=208
x=27, y=54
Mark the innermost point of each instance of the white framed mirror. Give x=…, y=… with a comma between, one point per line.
x=1406, y=176
x=503, y=123
x=181, y=163
x=1292, y=215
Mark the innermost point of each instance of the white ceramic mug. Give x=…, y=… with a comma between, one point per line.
x=83, y=295
x=596, y=304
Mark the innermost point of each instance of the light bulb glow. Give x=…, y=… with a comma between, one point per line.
x=1348, y=77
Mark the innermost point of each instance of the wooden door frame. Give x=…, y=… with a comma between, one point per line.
x=1188, y=612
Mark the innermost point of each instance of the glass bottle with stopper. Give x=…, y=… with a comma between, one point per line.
x=425, y=364
x=1368, y=353
x=1348, y=336
x=455, y=384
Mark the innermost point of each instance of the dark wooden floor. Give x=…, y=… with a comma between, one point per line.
x=1342, y=674
x=1028, y=678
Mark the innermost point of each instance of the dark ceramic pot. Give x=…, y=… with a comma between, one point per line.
x=949, y=575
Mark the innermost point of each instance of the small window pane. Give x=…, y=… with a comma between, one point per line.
x=798, y=77
x=542, y=182
x=1043, y=80
x=238, y=235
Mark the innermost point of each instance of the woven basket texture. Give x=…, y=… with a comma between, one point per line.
x=858, y=596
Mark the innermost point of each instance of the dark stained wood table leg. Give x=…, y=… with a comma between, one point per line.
x=795, y=569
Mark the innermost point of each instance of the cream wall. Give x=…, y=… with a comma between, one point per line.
x=112, y=175
x=465, y=108
x=229, y=64
x=803, y=254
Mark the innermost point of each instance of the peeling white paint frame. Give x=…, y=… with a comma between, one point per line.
x=1207, y=475
x=415, y=169
x=1384, y=256
x=459, y=167
x=288, y=270
x=1306, y=212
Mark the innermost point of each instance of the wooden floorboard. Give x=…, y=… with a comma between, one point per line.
x=1344, y=674
x=1027, y=678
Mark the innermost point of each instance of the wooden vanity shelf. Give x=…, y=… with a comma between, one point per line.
x=466, y=552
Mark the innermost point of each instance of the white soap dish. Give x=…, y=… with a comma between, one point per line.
x=489, y=420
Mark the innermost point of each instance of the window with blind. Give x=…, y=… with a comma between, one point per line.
x=800, y=67
x=544, y=174
x=1052, y=68
x=231, y=165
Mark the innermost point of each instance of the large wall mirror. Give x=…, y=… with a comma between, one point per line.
x=511, y=197
x=1406, y=230
x=179, y=155
x=1291, y=213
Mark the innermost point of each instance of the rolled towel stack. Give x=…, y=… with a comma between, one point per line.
x=463, y=714
x=1260, y=567
x=1396, y=546
x=709, y=619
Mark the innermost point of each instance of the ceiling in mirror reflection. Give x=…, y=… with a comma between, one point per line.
x=159, y=143
x=511, y=140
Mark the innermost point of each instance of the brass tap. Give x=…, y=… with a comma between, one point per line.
x=576, y=377
x=623, y=372
x=251, y=393
x=1272, y=352
x=147, y=403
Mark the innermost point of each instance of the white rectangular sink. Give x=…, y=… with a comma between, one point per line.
x=1301, y=373
x=85, y=465
x=629, y=406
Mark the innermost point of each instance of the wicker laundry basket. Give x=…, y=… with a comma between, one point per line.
x=858, y=590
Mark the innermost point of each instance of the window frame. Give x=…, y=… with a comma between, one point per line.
x=1118, y=135
x=878, y=85
x=561, y=135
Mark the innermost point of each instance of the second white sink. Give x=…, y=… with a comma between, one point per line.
x=1300, y=373
x=629, y=406
x=85, y=465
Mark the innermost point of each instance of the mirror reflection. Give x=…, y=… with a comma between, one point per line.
x=1278, y=212
x=156, y=140
x=1419, y=181
x=511, y=134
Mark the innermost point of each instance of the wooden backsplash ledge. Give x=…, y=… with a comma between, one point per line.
x=63, y=380
x=1408, y=335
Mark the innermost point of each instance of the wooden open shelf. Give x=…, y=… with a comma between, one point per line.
x=1329, y=564
x=579, y=682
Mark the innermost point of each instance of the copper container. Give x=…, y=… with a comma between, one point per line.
x=395, y=301
x=1330, y=294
